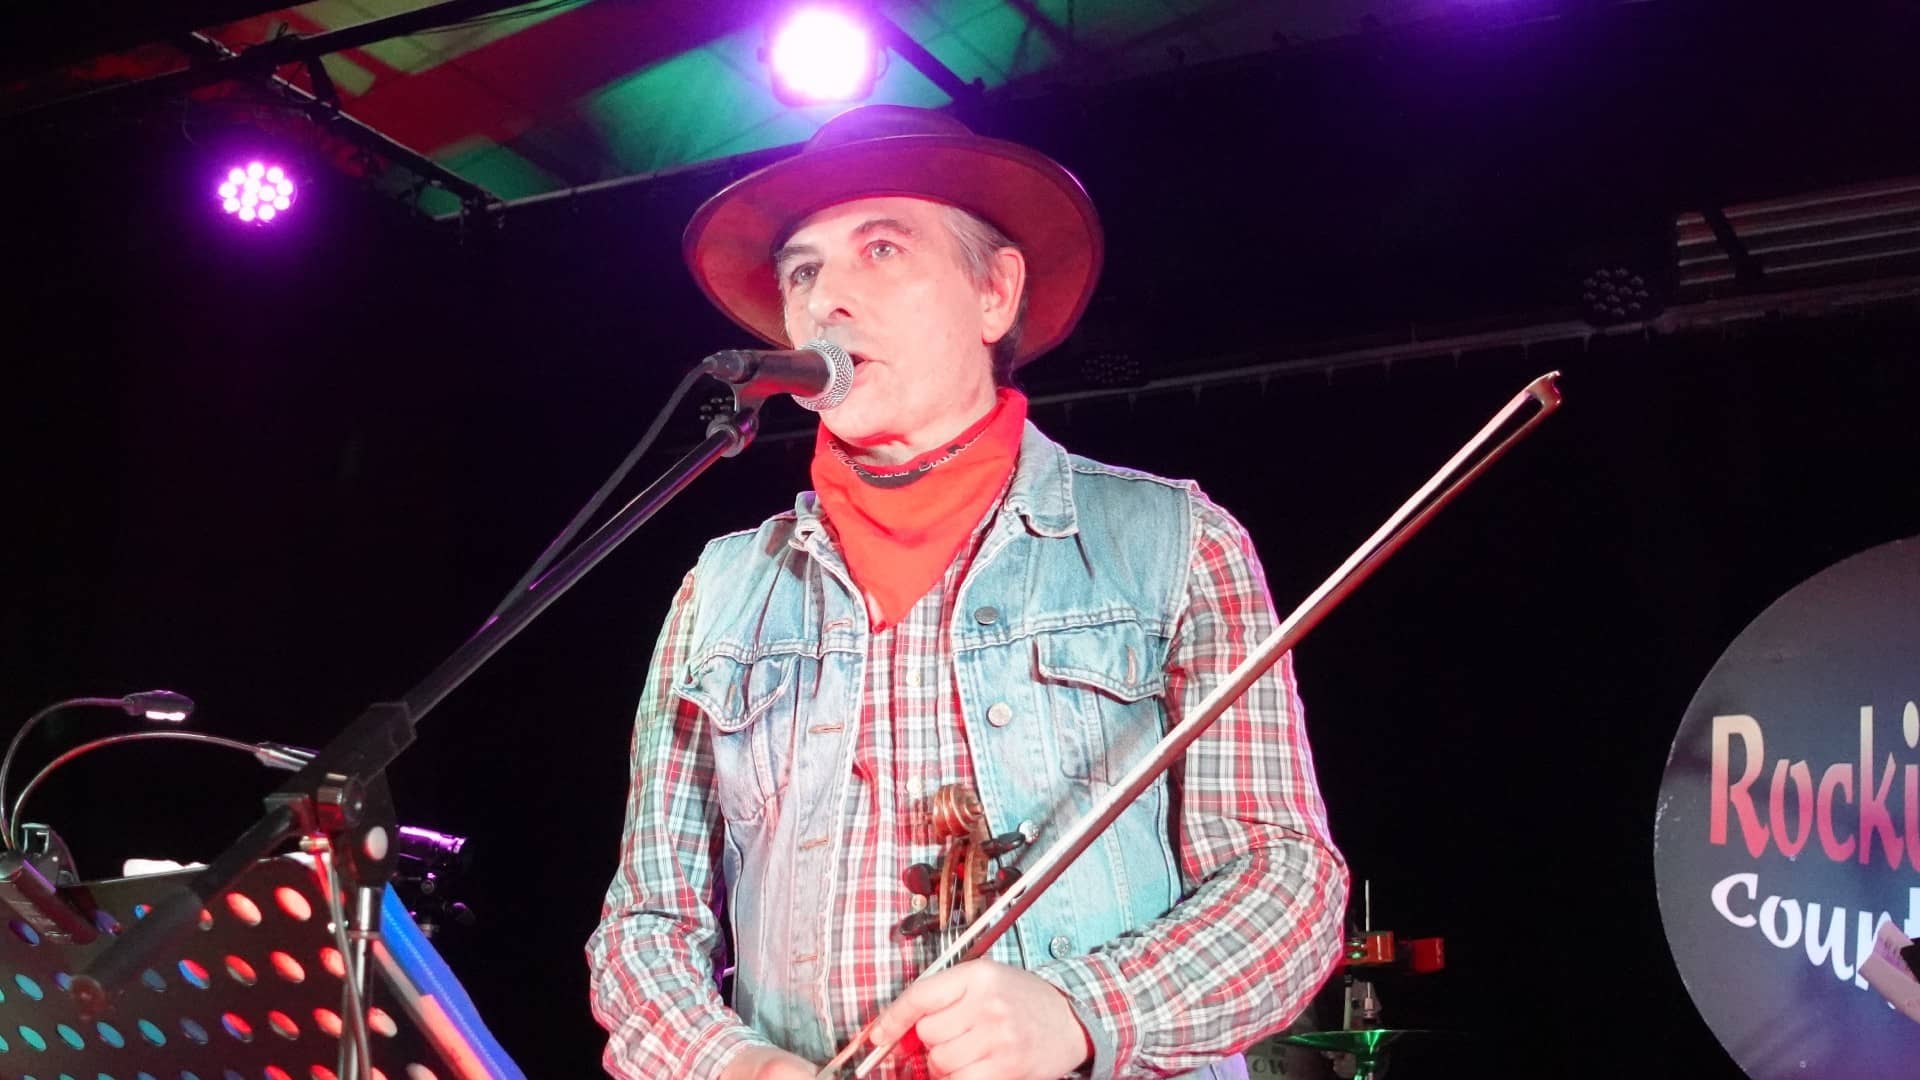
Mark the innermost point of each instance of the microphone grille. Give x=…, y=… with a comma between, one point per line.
x=839, y=377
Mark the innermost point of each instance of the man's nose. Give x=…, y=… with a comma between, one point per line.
x=830, y=299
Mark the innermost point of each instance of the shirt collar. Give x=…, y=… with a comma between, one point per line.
x=1042, y=488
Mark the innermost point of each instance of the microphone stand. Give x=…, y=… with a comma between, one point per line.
x=339, y=801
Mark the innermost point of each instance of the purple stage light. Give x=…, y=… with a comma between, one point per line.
x=820, y=54
x=256, y=193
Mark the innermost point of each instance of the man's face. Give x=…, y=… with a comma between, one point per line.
x=883, y=279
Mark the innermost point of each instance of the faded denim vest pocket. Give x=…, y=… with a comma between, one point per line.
x=747, y=704
x=1100, y=684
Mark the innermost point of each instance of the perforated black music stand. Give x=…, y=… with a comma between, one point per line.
x=256, y=993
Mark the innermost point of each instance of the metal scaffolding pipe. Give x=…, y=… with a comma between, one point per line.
x=329, y=114
x=262, y=60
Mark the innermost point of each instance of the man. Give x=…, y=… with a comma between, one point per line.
x=960, y=602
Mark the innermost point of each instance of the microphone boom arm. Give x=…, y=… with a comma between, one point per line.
x=1462, y=469
x=341, y=791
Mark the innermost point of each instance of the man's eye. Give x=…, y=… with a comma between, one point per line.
x=802, y=274
x=881, y=249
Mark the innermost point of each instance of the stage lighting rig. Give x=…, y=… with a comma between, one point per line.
x=256, y=193
x=819, y=54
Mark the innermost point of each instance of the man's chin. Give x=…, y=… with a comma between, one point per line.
x=846, y=424
x=857, y=431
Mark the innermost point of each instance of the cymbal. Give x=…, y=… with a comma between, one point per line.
x=1362, y=1042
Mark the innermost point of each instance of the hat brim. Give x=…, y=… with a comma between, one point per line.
x=1039, y=205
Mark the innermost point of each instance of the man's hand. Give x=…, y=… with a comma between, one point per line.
x=767, y=1063
x=986, y=1021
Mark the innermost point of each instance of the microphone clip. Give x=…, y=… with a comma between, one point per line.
x=739, y=423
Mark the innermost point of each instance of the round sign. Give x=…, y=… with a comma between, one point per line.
x=1787, y=838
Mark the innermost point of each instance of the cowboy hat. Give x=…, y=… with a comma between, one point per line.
x=880, y=150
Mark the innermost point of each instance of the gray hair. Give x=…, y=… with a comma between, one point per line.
x=979, y=241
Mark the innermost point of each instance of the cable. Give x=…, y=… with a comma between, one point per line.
x=13, y=819
x=558, y=546
x=6, y=763
x=355, y=964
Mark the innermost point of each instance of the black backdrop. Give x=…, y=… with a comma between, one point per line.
x=287, y=474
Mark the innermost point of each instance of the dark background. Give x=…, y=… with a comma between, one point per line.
x=288, y=471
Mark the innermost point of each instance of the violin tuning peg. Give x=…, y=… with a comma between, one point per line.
x=1005, y=842
x=920, y=878
x=916, y=924
x=1001, y=881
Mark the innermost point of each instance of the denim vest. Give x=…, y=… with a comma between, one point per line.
x=1060, y=638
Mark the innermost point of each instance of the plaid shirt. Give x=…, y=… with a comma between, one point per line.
x=1265, y=889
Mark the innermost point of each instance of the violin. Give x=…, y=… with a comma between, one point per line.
x=966, y=877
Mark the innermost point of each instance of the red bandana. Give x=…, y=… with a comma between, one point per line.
x=901, y=526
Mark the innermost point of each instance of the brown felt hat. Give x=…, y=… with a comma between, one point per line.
x=879, y=150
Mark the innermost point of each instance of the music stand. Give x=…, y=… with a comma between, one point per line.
x=255, y=993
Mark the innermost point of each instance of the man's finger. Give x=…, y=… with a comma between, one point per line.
x=931, y=994
x=944, y=1025
x=966, y=1049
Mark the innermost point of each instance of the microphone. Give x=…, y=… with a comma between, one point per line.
x=819, y=374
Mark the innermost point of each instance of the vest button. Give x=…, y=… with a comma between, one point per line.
x=1060, y=947
x=1000, y=714
x=986, y=616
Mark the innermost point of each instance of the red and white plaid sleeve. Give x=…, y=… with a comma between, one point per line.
x=1266, y=890
x=652, y=957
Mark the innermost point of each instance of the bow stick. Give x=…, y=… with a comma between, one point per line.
x=1508, y=426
